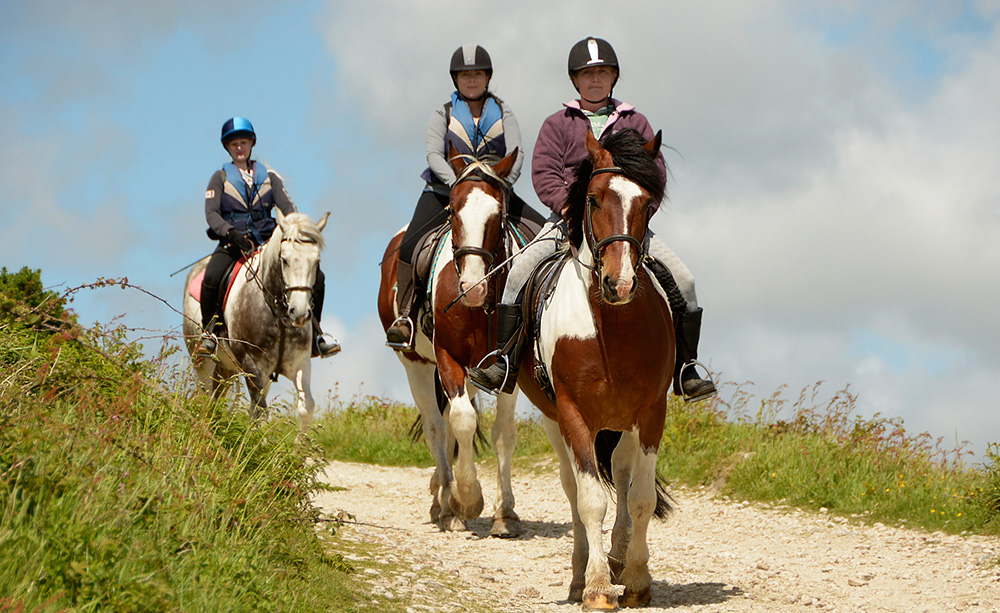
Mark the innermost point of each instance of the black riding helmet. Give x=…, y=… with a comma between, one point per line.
x=592, y=52
x=469, y=57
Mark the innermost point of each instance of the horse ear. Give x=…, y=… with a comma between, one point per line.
x=279, y=217
x=594, y=147
x=653, y=146
x=322, y=222
x=458, y=163
x=504, y=166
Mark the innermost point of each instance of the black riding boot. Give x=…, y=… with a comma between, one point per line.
x=323, y=345
x=692, y=386
x=211, y=323
x=400, y=334
x=687, y=326
x=502, y=375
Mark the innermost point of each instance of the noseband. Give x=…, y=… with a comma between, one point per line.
x=597, y=246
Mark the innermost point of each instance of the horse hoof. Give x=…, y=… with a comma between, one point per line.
x=575, y=593
x=636, y=599
x=467, y=511
x=451, y=524
x=601, y=602
x=506, y=528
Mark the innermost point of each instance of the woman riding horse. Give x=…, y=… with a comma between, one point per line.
x=476, y=123
x=238, y=205
x=593, y=69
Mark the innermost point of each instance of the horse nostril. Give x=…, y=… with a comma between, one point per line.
x=610, y=286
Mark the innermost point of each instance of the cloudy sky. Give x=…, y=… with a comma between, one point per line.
x=835, y=186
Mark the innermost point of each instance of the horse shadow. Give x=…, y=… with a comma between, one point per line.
x=480, y=528
x=669, y=595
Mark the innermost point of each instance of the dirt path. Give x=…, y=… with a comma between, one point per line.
x=712, y=555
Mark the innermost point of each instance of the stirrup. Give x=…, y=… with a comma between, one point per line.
x=506, y=374
x=407, y=346
x=680, y=375
x=201, y=352
x=331, y=343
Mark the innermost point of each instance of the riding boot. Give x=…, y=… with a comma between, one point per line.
x=323, y=345
x=211, y=323
x=692, y=386
x=502, y=375
x=400, y=334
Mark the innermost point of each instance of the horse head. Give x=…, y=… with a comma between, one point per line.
x=478, y=206
x=623, y=184
x=294, y=248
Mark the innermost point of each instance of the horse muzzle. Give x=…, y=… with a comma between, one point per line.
x=473, y=293
x=618, y=290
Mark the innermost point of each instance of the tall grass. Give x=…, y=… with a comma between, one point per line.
x=119, y=493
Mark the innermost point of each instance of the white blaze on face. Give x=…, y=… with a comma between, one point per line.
x=299, y=270
x=629, y=194
x=475, y=214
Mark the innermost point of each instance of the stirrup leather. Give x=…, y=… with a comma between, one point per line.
x=398, y=346
x=680, y=375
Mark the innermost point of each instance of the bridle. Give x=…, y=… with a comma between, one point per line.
x=475, y=171
x=597, y=246
x=279, y=303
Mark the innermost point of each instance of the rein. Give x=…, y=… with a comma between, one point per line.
x=278, y=304
x=596, y=246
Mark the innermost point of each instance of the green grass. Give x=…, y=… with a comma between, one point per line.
x=811, y=453
x=119, y=492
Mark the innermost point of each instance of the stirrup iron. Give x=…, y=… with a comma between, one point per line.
x=407, y=346
x=708, y=377
x=506, y=362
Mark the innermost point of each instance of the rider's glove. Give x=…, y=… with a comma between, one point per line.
x=239, y=240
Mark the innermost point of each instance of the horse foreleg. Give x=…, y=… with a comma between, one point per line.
x=641, y=505
x=592, y=506
x=506, y=523
x=622, y=463
x=567, y=477
x=304, y=405
x=420, y=376
x=466, y=493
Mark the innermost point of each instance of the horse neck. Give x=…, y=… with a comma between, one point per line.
x=270, y=267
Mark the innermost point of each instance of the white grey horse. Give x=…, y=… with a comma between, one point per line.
x=268, y=317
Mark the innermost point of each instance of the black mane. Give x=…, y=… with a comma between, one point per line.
x=626, y=149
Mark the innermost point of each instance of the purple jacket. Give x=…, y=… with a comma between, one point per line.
x=561, y=147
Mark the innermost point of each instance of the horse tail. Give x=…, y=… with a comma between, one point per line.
x=604, y=446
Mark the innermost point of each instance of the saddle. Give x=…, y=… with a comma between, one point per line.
x=536, y=294
x=228, y=279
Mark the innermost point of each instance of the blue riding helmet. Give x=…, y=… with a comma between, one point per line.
x=236, y=127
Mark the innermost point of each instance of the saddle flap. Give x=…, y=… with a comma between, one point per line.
x=537, y=290
x=228, y=279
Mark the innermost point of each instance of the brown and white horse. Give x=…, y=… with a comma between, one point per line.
x=463, y=334
x=607, y=342
x=268, y=316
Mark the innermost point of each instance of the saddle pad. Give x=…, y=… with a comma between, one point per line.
x=194, y=287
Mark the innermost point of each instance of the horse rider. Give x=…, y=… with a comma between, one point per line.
x=238, y=205
x=477, y=123
x=593, y=70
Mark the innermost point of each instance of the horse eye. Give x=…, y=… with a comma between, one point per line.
x=592, y=200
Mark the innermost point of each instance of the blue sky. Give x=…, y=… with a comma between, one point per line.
x=834, y=169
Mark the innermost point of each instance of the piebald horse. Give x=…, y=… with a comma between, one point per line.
x=268, y=317
x=606, y=341
x=463, y=333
